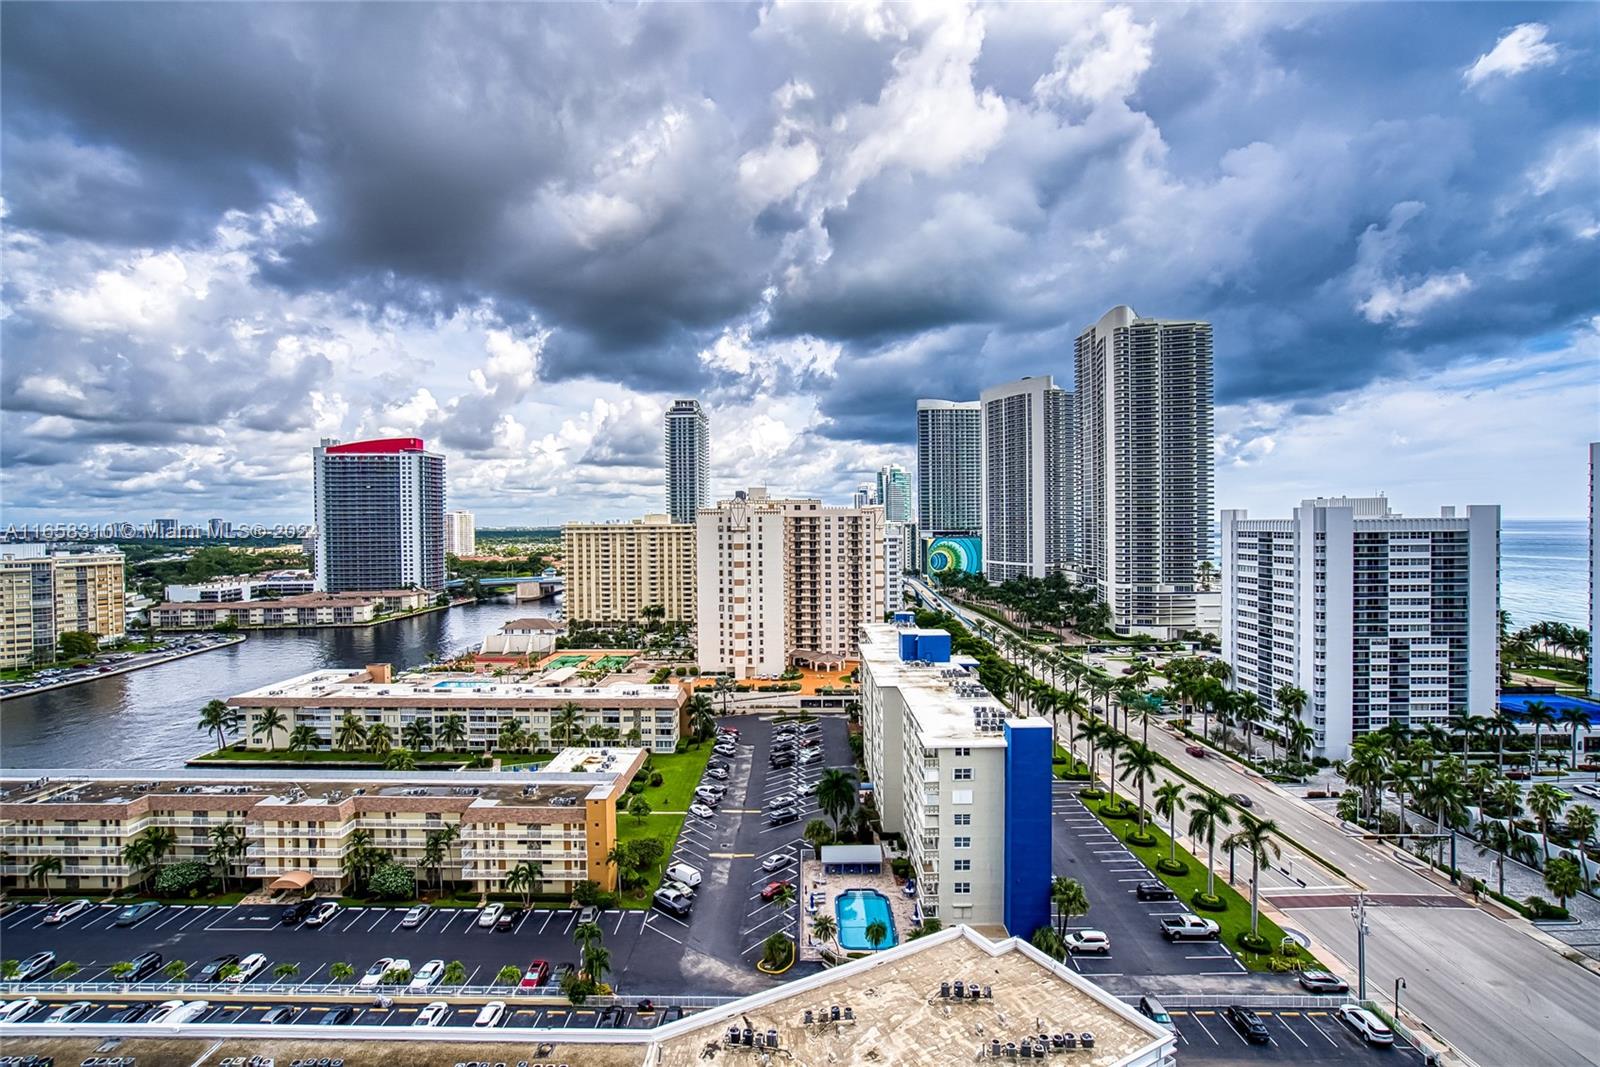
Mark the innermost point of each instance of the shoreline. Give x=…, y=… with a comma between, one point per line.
x=97, y=675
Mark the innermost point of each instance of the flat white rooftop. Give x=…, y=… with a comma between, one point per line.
x=465, y=689
x=948, y=701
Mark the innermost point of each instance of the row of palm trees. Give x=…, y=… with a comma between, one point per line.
x=1054, y=601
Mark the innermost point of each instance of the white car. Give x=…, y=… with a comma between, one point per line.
x=684, y=873
x=173, y=1012
x=700, y=811
x=1588, y=790
x=322, y=913
x=777, y=861
x=18, y=1010
x=811, y=756
x=164, y=1011
x=66, y=911
x=249, y=967
x=376, y=972
x=490, y=1014
x=677, y=887
x=782, y=800
x=428, y=976
x=69, y=1013
x=1089, y=941
x=1367, y=1026
x=435, y=1014
x=490, y=915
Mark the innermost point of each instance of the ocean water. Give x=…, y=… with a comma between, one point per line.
x=1544, y=570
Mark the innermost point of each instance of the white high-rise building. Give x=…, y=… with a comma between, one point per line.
x=783, y=582
x=460, y=533
x=1377, y=617
x=687, y=437
x=894, y=493
x=897, y=559
x=1027, y=478
x=380, y=515
x=1144, y=467
x=863, y=496
x=949, y=467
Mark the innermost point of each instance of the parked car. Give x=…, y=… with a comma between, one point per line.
x=672, y=902
x=588, y=914
x=537, y=974
x=62, y=912
x=1323, y=982
x=781, y=816
x=375, y=973
x=322, y=913
x=134, y=1012
x=1365, y=1025
x=774, y=888
x=163, y=1011
x=134, y=914
x=69, y=1013
x=490, y=915
x=212, y=971
x=296, y=912
x=780, y=761
x=338, y=1016
x=35, y=966
x=677, y=887
x=1152, y=1009
x=1188, y=928
x=249, y=967
x=1248, y=1023
x=684, y=873
x=187, y=1013
x=810, y=756
x=563, y=971
x=427, y=975
x=509, y=919
x=1241, y=800
x=709, y=797
x=783, y=800
x=144, y=965
x=1154, y=891
x=1097, y=941
x=1588, y=789
x=719, y=773
x=415, y=917
x=1197, y=751
x=436, y=1013
x=491, y=1014
x=278, y=1016
x=777, y=861
x=18, y=1010
x=701, y=811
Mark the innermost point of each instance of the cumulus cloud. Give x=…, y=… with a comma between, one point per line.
x=1522, y=49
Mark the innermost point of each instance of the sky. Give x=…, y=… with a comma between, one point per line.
x=519, y=231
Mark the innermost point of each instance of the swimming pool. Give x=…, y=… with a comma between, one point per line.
x=858, y=909
x=462, y=684
x=1517, y=704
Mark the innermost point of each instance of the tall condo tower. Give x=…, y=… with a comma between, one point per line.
x=1144, y=467
x=1026, y=470
x=894, y=493
x=460, y=533
x=949, y=467
x=380, y=515
x=688, y=455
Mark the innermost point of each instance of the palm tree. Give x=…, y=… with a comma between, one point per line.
x=433, y=855
x=1046, y=940
x=1367, y=769
x=1076, y=707
x=818, y=833
x=1298, y=737
x=1581, y=823
x=824, y=928
x=416, y=735
x=1498, y=839
x=362, y=858
x=176, y=971
x=1472, y=728
x=510, y=974
x=1574, y=719
x=400, y=759
x=452, y=732
x=511, y=736
x=226, y=845
x=877, y=933
x=380, y=738
x=1169, y=803
x=1480, y=779
x=1209, y=815
x=1068, y=896
x=455, y=973
x=1538, y=715
x=285, y=970
x=586, y=936
x=1111, y=744
x=136, y=856
x=596, y=962
x=44, y=868
x=1503, y=724
x=1402, y=778
x=303, y=738
x=268, y=721
x=121, y=969
x=524, y=878
x=341, y=972
x=1140, y=764
x=1247, y=709
x=1254, y=837
x=783, y=898
x=1562, y=878
x=351, y=733
x=701, y=720
x=220, y=719
x=836, y=794
x=565, y=721
x=1545, y=802
x=1291, y=701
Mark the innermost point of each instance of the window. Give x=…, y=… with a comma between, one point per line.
x=961, y=796
x=963, y=820
x=963, y=842
x=963, y=865
x=962, y=887
x=963, y=751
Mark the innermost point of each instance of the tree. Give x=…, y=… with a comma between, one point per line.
x=701, y=720
x=1538, y=715
x=1254, y=836
x=1169, y=803
x=396, y=976
x=400, y=759
x=596, y=962
x=176, y=971
x=1140, y=765
x=836, y=794
x=818, y=833
x=455, y=973
x=565, y=722
x=220, y=719
x=380, y=738
x=1545, y=803
x=341, y=972
x=1563, y=878
x=1291, y=700
x=1068, y=895
x=824, y=928
x=453, y=732
x=776, y=951
x=586, y=935
x=351, y=733
x=877, y=933
x=78, y=644
x=1048, y=941
x=510, y=974
x=1574, y=719
x=512, y=737
x=44, y=868
x=121, y=970
x=416, y=735
x=640, y=809
x=285, y=971
x=65, y=970
x=1581, y=820
x=391, y=881
x=268, y=722
x=303, y=738
x=1111, y=743
x=1210, y=814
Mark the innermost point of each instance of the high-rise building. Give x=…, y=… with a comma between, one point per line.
x=615, y=570
x=1144, y=467
x=965, y=783
x=1378, y=618
x=784, y=582
x=460, y=533
x=949, y=467
x=219, y=528
x=894, y=493
x=44, y=596
x=864, y=495
x=897, y=559
x=688, y=459
x=379, y=514
x=1027, y=478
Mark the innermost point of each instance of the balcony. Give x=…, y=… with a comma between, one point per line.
x=70, y=870
x=331, y=853
x=63, y=850
x=273, y=872
x=520, y=854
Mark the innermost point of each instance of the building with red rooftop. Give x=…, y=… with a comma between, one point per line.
x=380, y=515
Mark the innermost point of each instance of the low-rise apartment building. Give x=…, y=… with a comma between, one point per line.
x=312, y=609
x=240, y=587
x=615, y=570
x=45, y=596
x=377, y=695
x=299, y=828
x=966, y=783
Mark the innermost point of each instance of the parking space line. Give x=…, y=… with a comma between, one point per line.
x=1328, y=1037
x=177, y=912
x=200, y=913
x=108, y=911
x=547, y=917
x=1291, y=1029
x=572, y=917
x=375, y=922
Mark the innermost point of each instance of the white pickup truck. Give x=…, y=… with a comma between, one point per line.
x=1188, y=928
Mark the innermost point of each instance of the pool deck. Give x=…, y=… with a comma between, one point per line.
x=812, y=880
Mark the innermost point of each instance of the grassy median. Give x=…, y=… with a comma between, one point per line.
x=680, y=774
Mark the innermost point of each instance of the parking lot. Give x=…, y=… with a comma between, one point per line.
x=1295, y=1036
x=1086, y=850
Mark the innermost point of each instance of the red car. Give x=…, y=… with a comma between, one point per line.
x=537, y=974
x=774, y=888
x=1196, y=751
x=730, y=731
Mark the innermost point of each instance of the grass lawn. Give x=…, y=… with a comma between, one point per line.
x=224, y=899
x=680, y=773
x=1235, y=920
x=663, y=828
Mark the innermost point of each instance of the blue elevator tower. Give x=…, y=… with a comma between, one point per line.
x=1028, y=848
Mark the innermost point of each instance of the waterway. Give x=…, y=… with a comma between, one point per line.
x=147, y=718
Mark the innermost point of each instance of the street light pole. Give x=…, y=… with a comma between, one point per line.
x=1399, y=984
x=1358, y=912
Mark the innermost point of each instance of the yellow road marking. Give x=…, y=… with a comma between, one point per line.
x=1205, y=1013
x=731, y=855
x=1291, y=1014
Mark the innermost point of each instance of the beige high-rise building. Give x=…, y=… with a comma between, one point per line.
x=43, y=597
x=615, y=570
x=785, y=582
